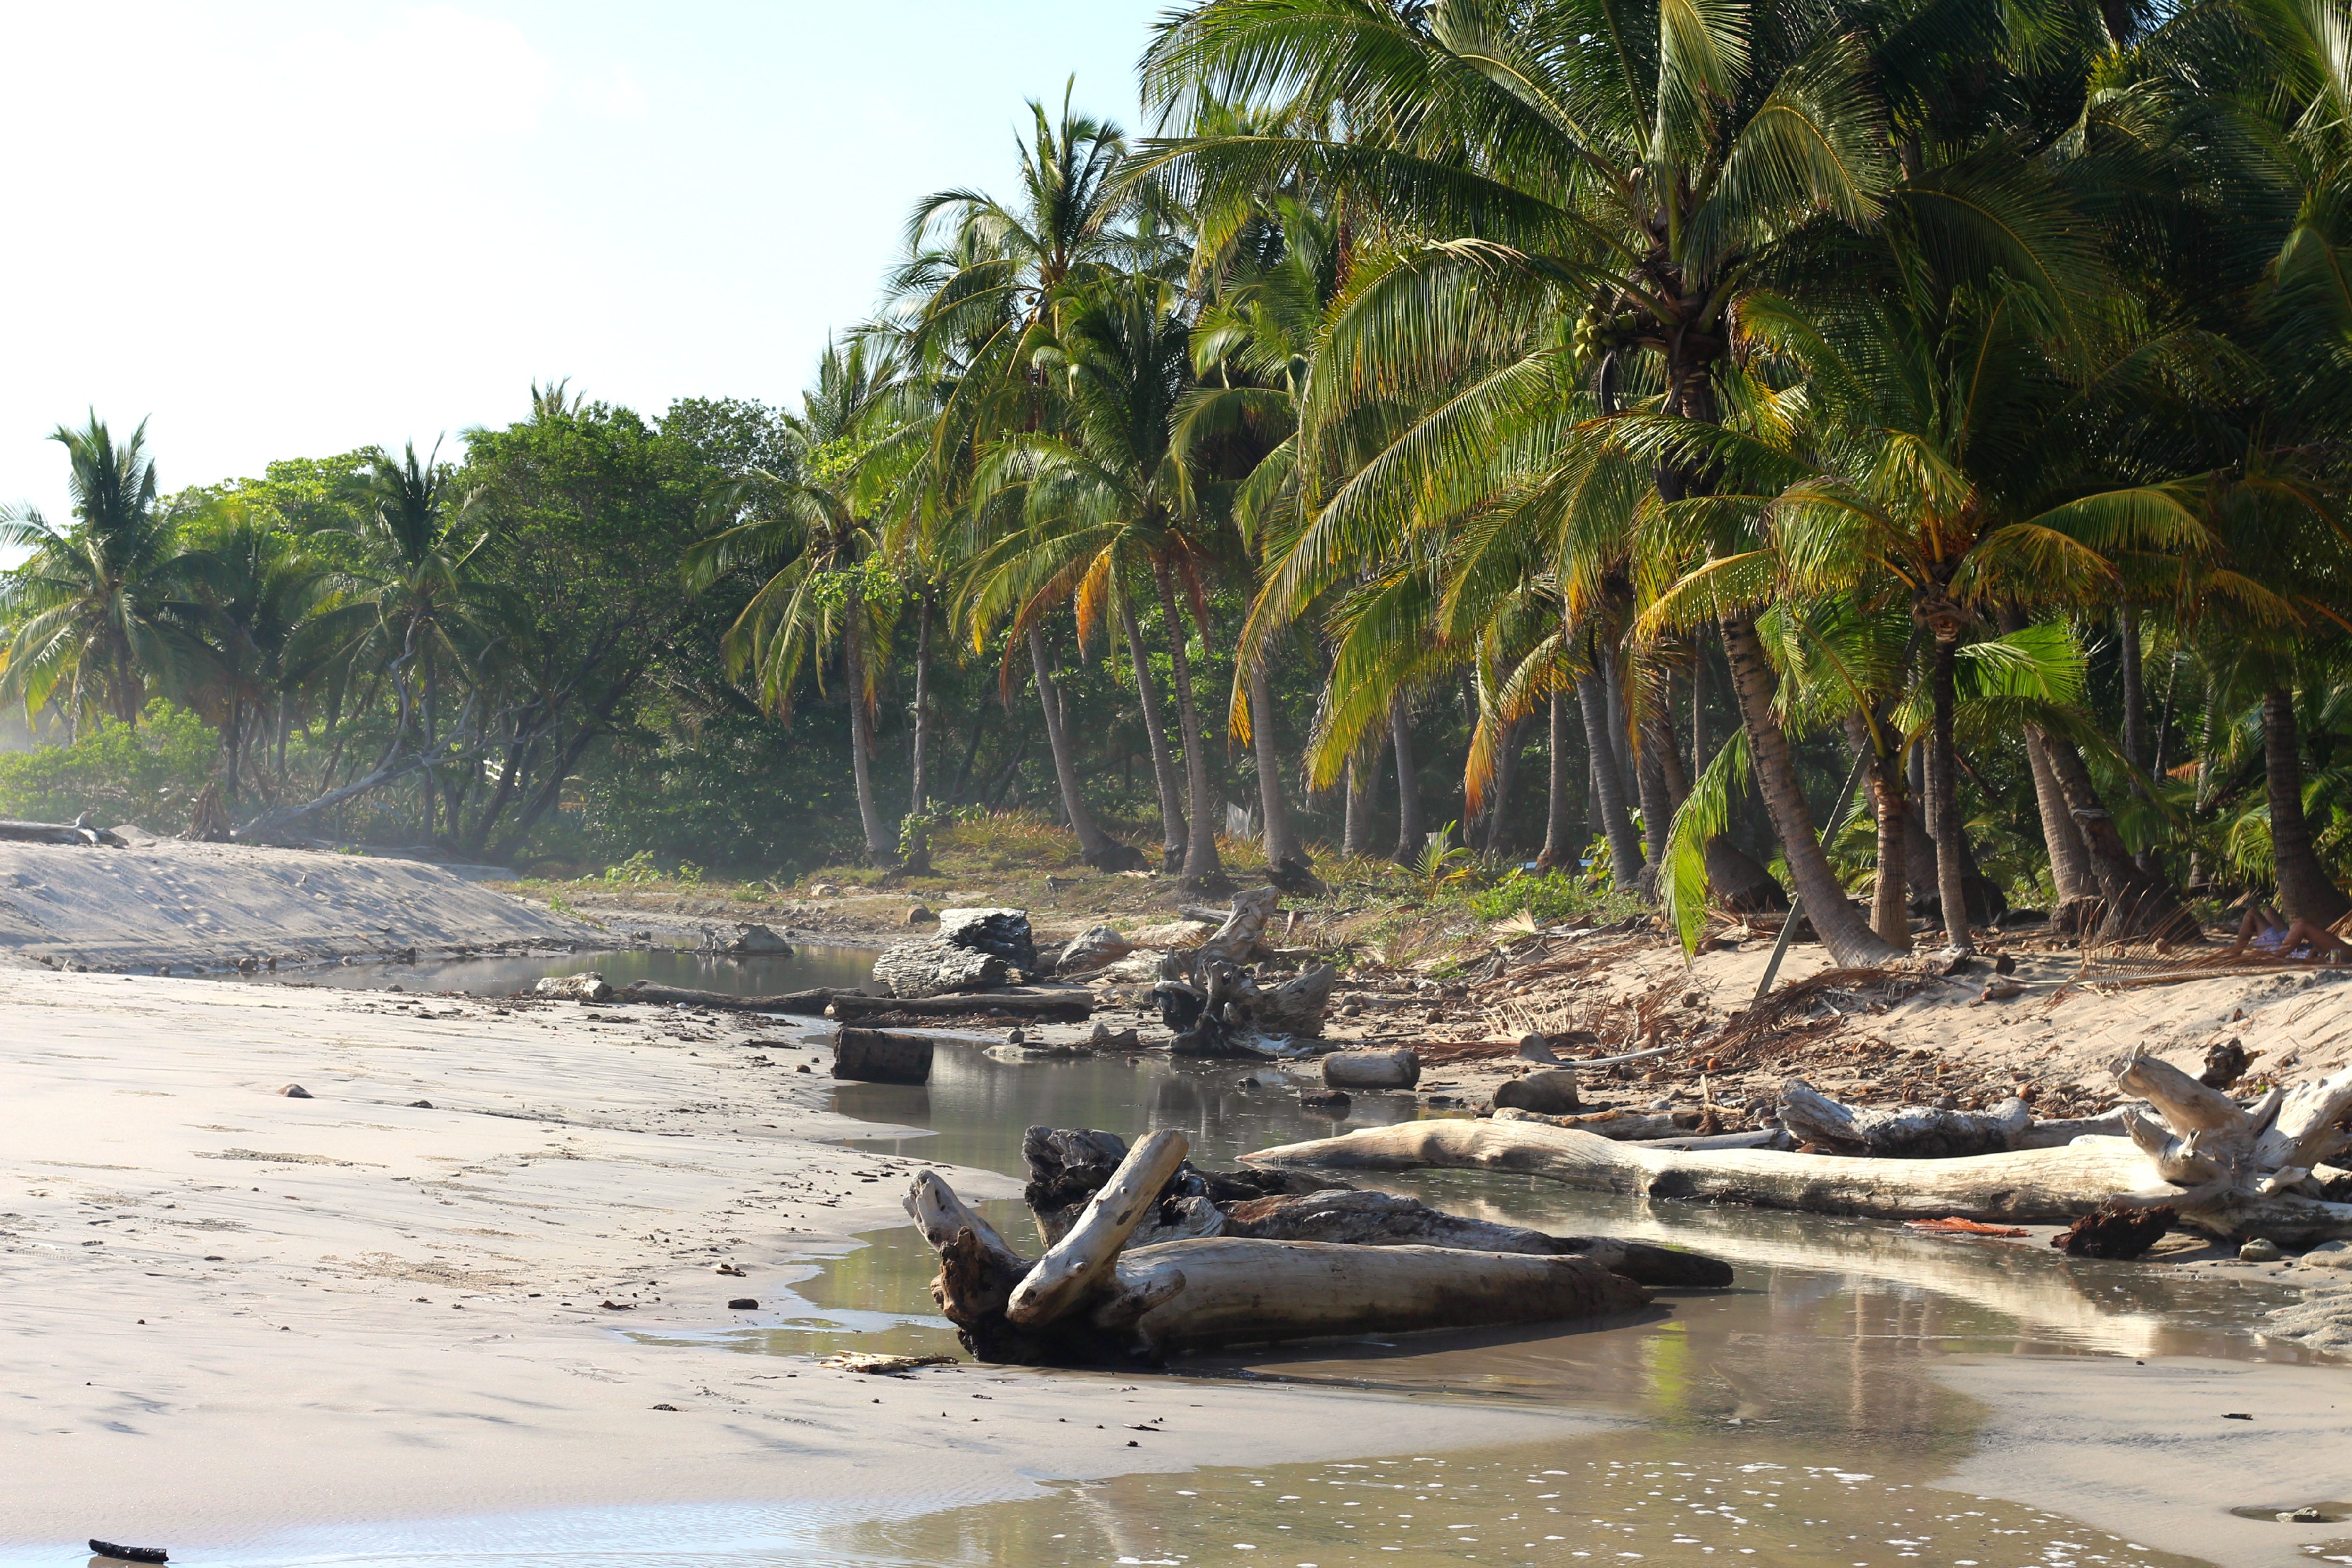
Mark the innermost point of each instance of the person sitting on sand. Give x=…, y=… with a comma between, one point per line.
x=2271, y=934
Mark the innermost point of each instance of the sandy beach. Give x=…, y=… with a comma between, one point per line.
x=231, y=1310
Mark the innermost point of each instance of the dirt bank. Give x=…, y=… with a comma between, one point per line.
x=162, y=901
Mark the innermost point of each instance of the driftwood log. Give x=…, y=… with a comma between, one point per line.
x=1925, y=1133
x=1215, y=1007
x=1097, y=1294
x=1057, y=1007
x=807, y=1003
x=73, y=833
x=2231, y=1170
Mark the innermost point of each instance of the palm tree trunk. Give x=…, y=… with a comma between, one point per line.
x=1890, y=899
x=1091, y=840
x=919, y=792
x=2135, y=688
x=2306, y=892
x=425, y=774
x=1843, y=930
x=1559, y=846
x=1155, y=734
x=1356, y=824
x=1608, y=781
x=2071, y=882
x=1654, y=730
x=2138, y=904
x=1281, y=836
x=1944, y=800
x=1201, y=861
x=879, y=848
x=1506, y=768
x=1409, y=841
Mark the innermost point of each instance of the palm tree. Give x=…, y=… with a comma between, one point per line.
x=411, y=525
x=99, y=605
x=975, y=303
x=1636, y=192
x=817, y=535
x=1105, y=495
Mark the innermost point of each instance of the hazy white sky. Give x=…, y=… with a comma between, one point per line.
x=288, y=230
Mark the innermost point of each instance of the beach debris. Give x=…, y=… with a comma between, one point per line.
x=932, y=965
x=1093, y=1295
x=611, y=1306
x=1096, y=947
x=1552, y=1093
x=1046, y=1005
x=730, y=1269
x=79, y=833
x=806, y=1003
x=881, y=1055
x=920, y=914
x=420, y=1105
x=749, y=940
x=1913, y=1133
x=671, y=1408
x=1536, y=1048
x=1330, y=1102
x=2226, y=1062
x=743, y=1304
x=1103, y=1037
x=295, y=1091
x=1385, y=1219
x=2261, y=1249
x=2116, y=1230
x=2000, y=989
x=873, y=1365
x=1952, y=1224
x=128, y=1553
x=1397, y=1067
x=586, y=988
x=1208, y=997
x=1001, y=932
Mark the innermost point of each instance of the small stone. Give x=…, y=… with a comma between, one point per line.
x=802, y=1068
x=1016, y=1037
x=2261, y=1249
x=1329, y=1101
x=672, y=1409
x=1999, y=990
x=2306, y=1514
x=743, y=1304
x=295, y=1091
x=420, y=1105
x=1536, y=1048
x=727, y=1268
x=2005, y=964
x=1694, y=998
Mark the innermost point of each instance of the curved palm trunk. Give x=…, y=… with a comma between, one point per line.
x=1658, y=767
x=2136, y=903
x=1281, y=832
x=1506, y=770
x=1944, y=801
x=1155, y=735
x=1608, y=782
x=879, y=847
x=2070, y=863
x=1091, y=840
x=2306, y=892
x=1842, y=929
x=1201, y=860
x=1410, y=840
x=1560, y=845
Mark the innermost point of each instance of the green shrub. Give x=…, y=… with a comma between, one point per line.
x=149, y=773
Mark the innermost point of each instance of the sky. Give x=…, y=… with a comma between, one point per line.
x=277, y=230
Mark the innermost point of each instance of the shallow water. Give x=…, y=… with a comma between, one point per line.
x=808, y=966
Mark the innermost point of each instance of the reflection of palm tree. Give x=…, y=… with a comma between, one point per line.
x=827, y=585
x=100, y=605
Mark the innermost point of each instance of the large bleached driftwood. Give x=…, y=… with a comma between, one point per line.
x=1225, y=1291
x=1215, y=1007
x=1087, y=1299
x=2232, y=1170
x=1385, y=1219
x=1059, y=1005
x=2037, y=1185
x=1911, y=1133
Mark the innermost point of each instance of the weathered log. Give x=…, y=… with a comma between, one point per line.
x=588, y=987
x=931, y=966
x=808, y=1003
x=1067, y=1167
x=2023, y=1187
x=1624, y=1126
x=1551, y=1093
x=1385, y=1219
x=1396, y=1068
x=78, y=834
x=1229, y=1291
x=1062, y=1278
x=880, y=1055
x=1913, y=1133
x=973, y=1290
x=1069, y=1006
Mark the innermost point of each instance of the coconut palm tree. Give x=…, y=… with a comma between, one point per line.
x=99, y=605
x=817, y=536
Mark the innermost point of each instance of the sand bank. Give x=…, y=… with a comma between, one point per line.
x=232, y=1311
x=165, y=901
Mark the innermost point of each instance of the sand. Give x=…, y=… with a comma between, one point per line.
x=231, y=1311
x=165, y=901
